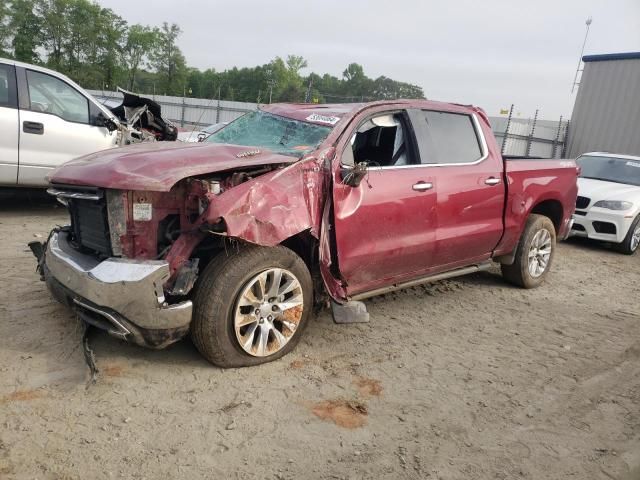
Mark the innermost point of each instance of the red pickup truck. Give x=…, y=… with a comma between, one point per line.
x=236, y=239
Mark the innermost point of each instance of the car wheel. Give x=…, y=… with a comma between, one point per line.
x=534, y=254
x=251, y=307
x=631, y=242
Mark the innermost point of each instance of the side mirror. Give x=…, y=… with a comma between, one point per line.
x=201, y=137
x=102, y=121
x=352, y=176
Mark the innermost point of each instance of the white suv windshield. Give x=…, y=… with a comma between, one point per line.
x=610, y=169
x=272, y=132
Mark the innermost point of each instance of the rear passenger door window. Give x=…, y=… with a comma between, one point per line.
x=8, y=93
x=447, y=137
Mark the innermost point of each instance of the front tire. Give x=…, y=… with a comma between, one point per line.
x=534, y=253
x=251, y=307
x=631, y=242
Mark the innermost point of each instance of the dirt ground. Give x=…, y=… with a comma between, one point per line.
x=463, y=379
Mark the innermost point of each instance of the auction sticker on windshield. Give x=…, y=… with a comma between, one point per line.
x=633, y=164
x=322, y=119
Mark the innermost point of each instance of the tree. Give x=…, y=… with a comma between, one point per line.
x=53, y=15
x=168, y=61
x=388, y=89
x=111, y=36
x=80, y=44
x=25, y=26
x=96, y=47
x=140, y=41
x=353, y=73
x=295, y=63
x=5, y=34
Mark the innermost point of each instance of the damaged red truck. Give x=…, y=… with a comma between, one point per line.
x=236, y=240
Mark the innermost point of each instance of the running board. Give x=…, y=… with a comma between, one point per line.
x=419, y=281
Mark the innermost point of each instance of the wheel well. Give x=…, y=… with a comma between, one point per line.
x=305, y=246
x=551, y=209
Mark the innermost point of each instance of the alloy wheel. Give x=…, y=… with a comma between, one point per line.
x=539, y=253
x=268, y=312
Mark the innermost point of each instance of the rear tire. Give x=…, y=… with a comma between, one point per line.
x=234, y=324
x=534, y=253
x=631, y=242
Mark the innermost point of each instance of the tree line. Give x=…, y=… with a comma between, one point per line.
x=99, y=50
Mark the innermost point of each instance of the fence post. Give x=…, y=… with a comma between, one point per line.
x=506, y=131
x=184, y=106
x=565, y=138
x=218, y=108
x=555, y=141
x=533, y=129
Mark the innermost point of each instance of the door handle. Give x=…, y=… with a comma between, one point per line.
x=36, y=128
x=492, y=181
x=422, y=186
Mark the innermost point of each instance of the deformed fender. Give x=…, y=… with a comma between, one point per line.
x=273, y=207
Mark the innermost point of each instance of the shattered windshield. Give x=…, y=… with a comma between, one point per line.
x=272, y=132
x=610, y=169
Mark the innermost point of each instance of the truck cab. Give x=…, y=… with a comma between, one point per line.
x=46, y=120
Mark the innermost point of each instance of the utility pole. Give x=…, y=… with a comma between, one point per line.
x=270, y=82
x=575, y=78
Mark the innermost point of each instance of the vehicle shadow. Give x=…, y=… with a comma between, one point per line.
x=182, y=353
x=593, y=245
x=21, y=199
x=491, y=278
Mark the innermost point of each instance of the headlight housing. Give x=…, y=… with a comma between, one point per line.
x=613, y=204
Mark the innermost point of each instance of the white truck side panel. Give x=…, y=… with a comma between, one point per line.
x=59, y=142
x=9, y=138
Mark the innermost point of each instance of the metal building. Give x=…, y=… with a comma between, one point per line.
x=606, y=114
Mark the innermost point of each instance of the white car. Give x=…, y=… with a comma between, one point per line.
x=192, y=136
x=608, y=204
x=46, y=119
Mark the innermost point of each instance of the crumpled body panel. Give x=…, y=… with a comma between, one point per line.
x=275, y=206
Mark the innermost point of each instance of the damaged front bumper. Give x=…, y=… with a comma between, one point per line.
x=124, y=297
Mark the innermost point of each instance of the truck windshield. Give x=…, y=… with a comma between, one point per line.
x=272, y=132
x=610, y=169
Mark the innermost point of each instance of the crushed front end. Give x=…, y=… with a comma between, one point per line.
x=106, y=265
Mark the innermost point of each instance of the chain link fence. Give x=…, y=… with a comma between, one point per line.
x=515, y=136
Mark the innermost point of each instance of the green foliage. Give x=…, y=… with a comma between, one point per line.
x=168, y=61
x=5, y=34
x=24, y=25
x=139, y=41
x=98, y=49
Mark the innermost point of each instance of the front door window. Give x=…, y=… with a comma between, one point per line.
x=48, y=94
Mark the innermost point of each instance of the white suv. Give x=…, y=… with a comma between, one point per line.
x=608, y=205
x=46, y=119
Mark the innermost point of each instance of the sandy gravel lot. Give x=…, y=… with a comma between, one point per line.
x=464, y=379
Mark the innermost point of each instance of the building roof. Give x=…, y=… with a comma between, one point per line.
x=611, y=56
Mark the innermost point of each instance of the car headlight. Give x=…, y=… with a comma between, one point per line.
x=613, y=204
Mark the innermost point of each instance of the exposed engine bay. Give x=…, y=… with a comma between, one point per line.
x=141, y=120
x=136, y=224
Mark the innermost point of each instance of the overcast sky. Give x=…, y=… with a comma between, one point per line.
x=487, y=52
